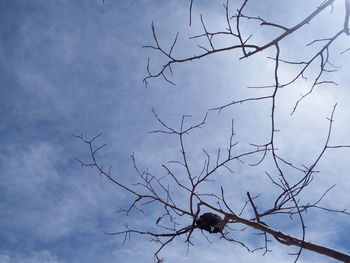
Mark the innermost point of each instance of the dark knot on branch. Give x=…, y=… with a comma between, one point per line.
x=210, y=222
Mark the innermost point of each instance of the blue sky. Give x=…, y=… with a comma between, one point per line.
x=77, y=67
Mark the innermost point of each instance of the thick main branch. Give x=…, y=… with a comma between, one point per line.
x=290, y=240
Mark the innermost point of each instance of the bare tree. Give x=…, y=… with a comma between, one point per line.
x=159, y=189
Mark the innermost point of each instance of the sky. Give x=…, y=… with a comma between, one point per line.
x=76, y=67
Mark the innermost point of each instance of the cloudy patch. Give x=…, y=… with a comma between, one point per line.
x=77, y=67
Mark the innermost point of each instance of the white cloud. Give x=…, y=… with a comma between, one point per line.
x=82, y=73
x=42, y=256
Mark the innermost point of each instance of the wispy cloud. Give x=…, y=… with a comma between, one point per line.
x=72, y=67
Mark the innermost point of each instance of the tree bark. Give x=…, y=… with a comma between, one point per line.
x=290, y=240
